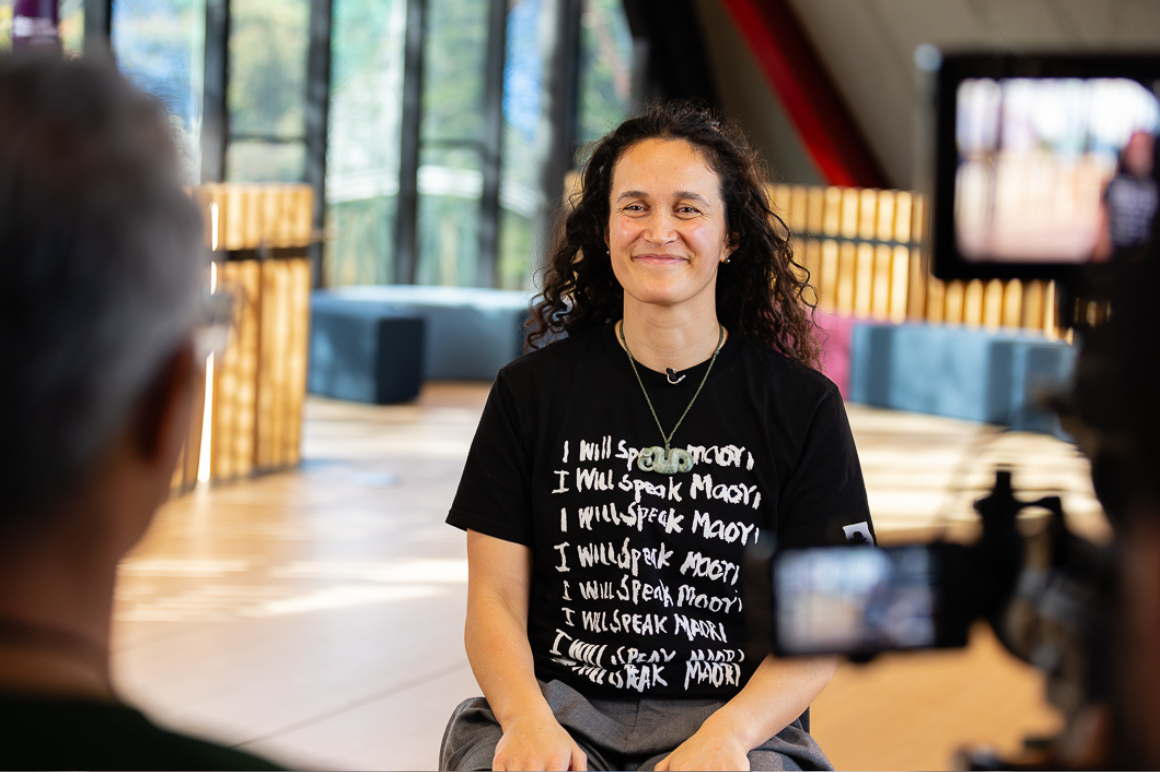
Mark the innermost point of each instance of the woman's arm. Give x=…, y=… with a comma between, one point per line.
x=779, y=691
x=496, y=638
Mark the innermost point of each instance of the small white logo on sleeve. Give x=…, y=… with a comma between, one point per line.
x=858, y=533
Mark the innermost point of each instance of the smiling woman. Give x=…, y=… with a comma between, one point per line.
x=604, y=617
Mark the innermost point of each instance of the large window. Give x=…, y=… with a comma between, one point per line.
x=362, y=163
x=72, y=25
x=454, y=154
x=605, y=69
x=160, y=46
x=267, y=90
x=451, y=137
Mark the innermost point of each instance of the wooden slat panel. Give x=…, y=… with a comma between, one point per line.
x=253, y=205
x=830, y=277
x=917, y=218
x=299, y=338
x=973, y=304
x=884, y=224
x=867, y=214
x=233, y=226
x=1032, y=311
x=799, y=202
x=899, y=284
x=863, y=280
x=779, y=201
x=1013, y=304
x=918, y=285
x=302, y=203
x=883, y=276
x=850, y=210
x=992, y=305
x=811, y=252
x=816, y=212
x=847, y=277
x=832, y=212
x=192, y=452
x=269, y=367
x=953, y=313
x=271, y=205
x=805, y=272
x=1050, y=321
x=904, y=217
x=235, y=386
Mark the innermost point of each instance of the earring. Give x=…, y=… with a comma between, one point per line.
x=726, y=260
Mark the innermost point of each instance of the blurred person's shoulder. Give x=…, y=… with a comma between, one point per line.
x=67, y=733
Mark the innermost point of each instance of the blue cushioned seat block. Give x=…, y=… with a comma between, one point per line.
x=470, y=333
x=364, y=352
x=1041, y=369
x=976, y=375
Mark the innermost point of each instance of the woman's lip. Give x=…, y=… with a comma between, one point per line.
x=659, y=258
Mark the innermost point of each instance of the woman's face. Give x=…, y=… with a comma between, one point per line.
x=666, y=231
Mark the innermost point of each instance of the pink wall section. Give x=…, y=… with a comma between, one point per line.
x=834, y=338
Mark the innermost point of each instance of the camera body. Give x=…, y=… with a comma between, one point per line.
x=1041, y=593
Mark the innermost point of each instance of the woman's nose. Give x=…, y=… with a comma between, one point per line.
x=661, y=228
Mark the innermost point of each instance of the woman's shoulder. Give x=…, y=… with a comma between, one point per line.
x=785, y=375
x=556, y=358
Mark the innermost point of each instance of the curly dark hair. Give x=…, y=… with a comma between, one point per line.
x=761, y=293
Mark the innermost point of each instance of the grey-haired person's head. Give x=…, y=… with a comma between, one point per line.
x=102, y=268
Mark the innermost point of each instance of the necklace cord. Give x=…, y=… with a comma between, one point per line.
x=704, y=378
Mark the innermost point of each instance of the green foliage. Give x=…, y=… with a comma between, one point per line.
x=268, y=46
x=606, y=69
x=5, y=27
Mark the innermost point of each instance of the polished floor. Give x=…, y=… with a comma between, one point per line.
x=315, y=615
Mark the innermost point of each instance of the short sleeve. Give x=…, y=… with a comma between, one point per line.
x=824, y=498
x=494, y=495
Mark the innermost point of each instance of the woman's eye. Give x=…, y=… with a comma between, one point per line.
x=687, y=210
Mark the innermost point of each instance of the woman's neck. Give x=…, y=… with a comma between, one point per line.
x=661, y=341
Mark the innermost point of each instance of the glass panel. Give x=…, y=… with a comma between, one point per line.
x=268, y=46
x=605, y=69
x=362, y=162
x=523, y=145
x=160, y=46
x=450, y=184
x=72, y=25
x=450, y=174
x=258, y=161
x=5, y=27
x=267, y=91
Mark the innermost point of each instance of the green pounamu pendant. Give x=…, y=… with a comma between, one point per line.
x=664, y=461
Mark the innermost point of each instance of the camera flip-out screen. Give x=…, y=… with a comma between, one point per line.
x=1044, y=163
x=849, y=600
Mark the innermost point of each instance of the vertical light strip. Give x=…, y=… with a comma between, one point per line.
x=213, y=236
x=203, y=469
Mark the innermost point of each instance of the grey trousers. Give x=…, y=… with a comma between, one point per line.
x=617, y=734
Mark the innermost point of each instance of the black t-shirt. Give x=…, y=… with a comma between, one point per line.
x=48, y=733
x=636, y=585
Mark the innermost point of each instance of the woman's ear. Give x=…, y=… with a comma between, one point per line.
x=732, y=244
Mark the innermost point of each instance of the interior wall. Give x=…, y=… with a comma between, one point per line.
x=868, y=47
x=747, y=97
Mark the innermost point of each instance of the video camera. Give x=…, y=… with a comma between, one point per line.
x=1028, y=152
x=1038, y=585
